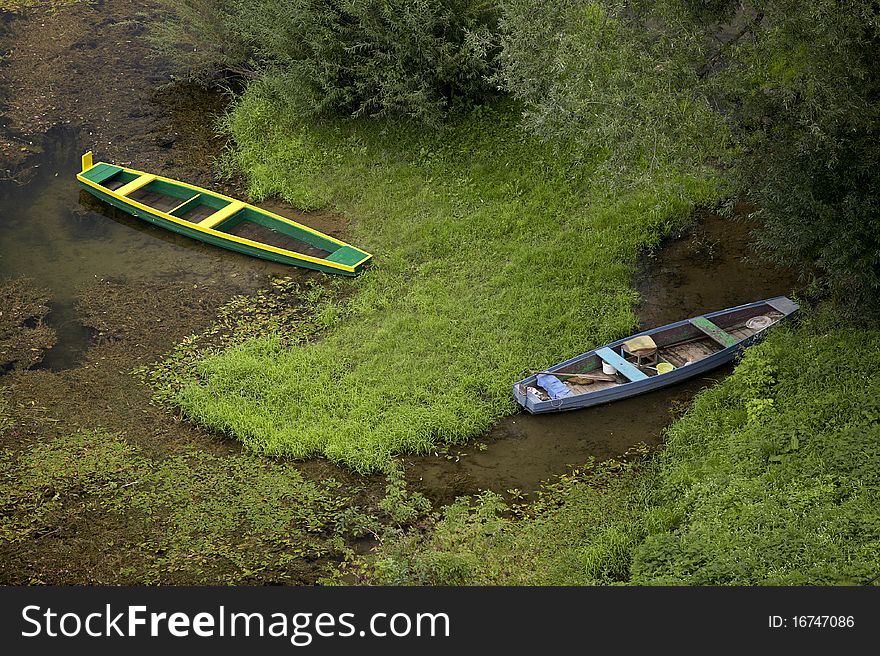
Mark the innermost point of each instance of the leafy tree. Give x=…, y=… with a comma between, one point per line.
x=805, y=93
x=616, y=74
x=203, y=39
x=796, y=83
x=784, y=94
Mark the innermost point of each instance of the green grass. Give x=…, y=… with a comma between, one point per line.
x=5, y=418
x=774, y=476
x=493, y=252
x=771, y=478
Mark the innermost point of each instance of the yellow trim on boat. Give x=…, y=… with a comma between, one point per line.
x=211, y=231
x=221, y=215
x=87, y=161
x=134, y=185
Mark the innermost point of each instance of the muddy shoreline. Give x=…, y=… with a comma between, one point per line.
x=83, y=77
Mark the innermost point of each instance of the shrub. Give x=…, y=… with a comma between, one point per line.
x=330, y=57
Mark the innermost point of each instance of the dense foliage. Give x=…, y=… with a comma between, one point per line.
x=334, y=57
x=612, y=73
x=204, y=40
x=771, y=478
x=797, y=84
x=807, y=94
x=784, y=93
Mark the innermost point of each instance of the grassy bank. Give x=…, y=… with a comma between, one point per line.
x=494, y=253
x=771, y=477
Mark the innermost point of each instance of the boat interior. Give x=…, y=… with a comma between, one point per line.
x=659, y=352
x=207, y=210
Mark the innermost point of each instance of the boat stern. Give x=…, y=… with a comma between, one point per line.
x=87, y=162
x=519, y=394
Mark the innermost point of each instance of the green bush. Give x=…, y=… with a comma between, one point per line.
x=205, y=40
x=785, y=95
x=808, y=87
x=332, y=57
x=613, y=74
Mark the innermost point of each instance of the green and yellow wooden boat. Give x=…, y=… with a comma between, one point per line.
x=219, y=220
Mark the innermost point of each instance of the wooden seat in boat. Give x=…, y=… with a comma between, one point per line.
x=718, y=334
x=628, y=369
x=221, y=215
x=134, y=185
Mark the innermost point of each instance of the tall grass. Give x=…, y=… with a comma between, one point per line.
x=774, y=477
x=494, y=252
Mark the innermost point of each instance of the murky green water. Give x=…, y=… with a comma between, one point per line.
x=65, y=240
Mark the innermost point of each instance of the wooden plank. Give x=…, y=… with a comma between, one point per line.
x=718, y=334
x=672, y=356
x=741, y=333
x=198, y=213
x=137, y=183
x=221, y=215
x=101, y=172
x=692, y=351
x=161, y=202
x=624, y=367
x=592, y=375
x=590, y=389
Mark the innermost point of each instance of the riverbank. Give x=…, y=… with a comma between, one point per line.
x=495, y=252
x=99, y=485
x=770, y=478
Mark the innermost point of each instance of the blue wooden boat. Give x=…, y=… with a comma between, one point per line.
x=651, y=359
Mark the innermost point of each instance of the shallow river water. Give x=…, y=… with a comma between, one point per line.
x=64, y=239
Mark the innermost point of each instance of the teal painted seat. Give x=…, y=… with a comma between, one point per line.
x=622, y=366
x=346, y=255
x=718, y=334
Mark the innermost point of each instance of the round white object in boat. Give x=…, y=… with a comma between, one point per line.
x=759, y=323
x=608, y=369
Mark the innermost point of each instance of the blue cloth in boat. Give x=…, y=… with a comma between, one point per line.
x=554, y=387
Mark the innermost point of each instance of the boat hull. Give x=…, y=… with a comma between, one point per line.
x=219, y=220
x=158, y=220
x=629, y=389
